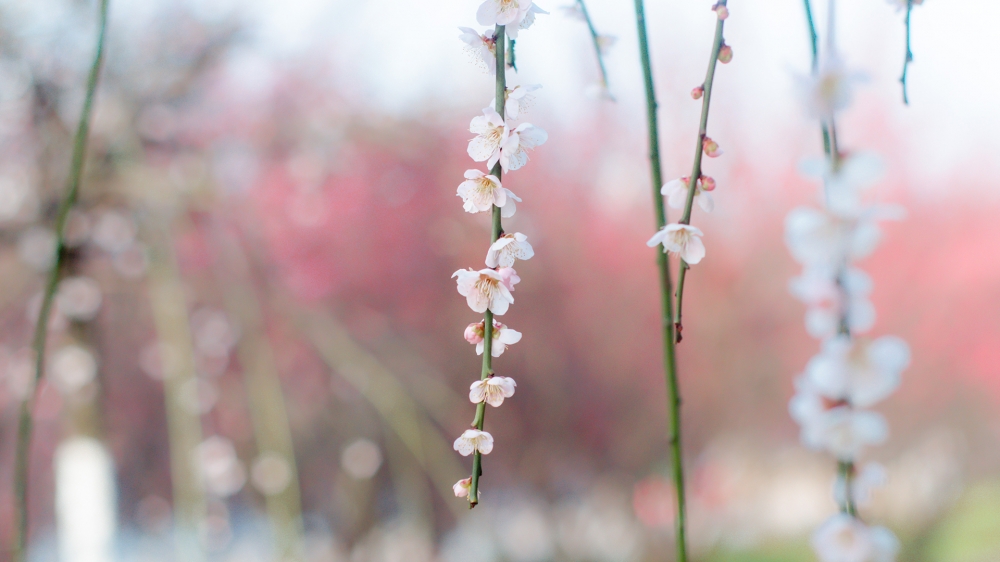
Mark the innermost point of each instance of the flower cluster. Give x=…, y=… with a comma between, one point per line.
x=850, y=374
x=504, y=146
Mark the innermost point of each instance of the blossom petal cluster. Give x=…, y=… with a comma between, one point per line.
x=682, y=240
x=504, y=146
x=851, y=373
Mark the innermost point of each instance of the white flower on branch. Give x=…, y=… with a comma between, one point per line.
x=508, y=277
x=518, y=98
x=676, y=192
x=829, y=89
x=480, y=192
x=682, y=240
x=491, y=133
x=527, y=21
x=473, y=440
x=507, y=249
x=484, y=289
x=844, y=538
x=844, y=185
x=515, y=147
x=482, y=47
x=819, y=238
x=492, y=390
x=502, y=337
x=831, y=300
x=859, y=372
x=844, y=432
x=514, y=15
x=462, y=487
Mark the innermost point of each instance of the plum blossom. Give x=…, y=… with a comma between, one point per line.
x=711, y=148
x=832, y=300
x=484, y=289
x=829, y=89
x=502, y=337
x=725, y=52
x=507, y=249
x=845, y=183
x=462, y=487
x=480, y=192
x=473, y=440
x=820, y=238
x=515, y=146
x=682, y=240
x=517, y=99
x=508, y=277
x=491, y=133
x=482, y=47
x=697, y=92
x=676, y=193
x=859, y=372
x=513, y=14
x=843, y=538
x=844, y=432
x=492, y=390
x=527, y=21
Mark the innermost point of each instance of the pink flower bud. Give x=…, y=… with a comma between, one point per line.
x=711, y=148
x=474, y=333
x=697, y=92
x=462, y=487
x=707, y=183
x=722, y=11
x=725, y=54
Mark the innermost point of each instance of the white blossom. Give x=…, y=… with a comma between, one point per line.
x=845, y=183
x=681, y=239
x=831, y=300
x=507, y=249
x=843, y=538
x=474, y=440
x=482, y=47
x=462, y=487
x=845, y=432
x=514, y=15
x=676, y=193
x=517, y=99
x=858, y=372
x=502, y=337
x=508, y=277
x=492, y=390
x=480, y=192
x=484, y=289
x=527, y=21
x=515, y=146
x=491, y=133
x=829, y=89
x=820, y=238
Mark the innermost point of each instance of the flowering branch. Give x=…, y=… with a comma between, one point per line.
x=24, y=427
x=909, y=53
x=596, y=39
x=669, y=338
x=720, y=52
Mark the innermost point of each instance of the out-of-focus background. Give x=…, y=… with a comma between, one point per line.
x=259, y=348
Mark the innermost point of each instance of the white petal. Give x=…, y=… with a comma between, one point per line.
x=477, y=392
x=694, y=251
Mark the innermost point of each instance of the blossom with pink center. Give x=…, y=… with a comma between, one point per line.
x=515, y=146
x=492, y=390
x=721, y=10
x=480, y=192
x=462, y=487
x=491, y=133
x=697, y=92
x=484, y=290
x=473, y=440
x=502, y=337
x=680, y=239
x=508, y=277
x=507, y=249
x=676, y=193
x=482, y=47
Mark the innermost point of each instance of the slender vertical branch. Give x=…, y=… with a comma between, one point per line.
x=814, y=44
x=25, y=422
x=909, y=53
x=696, y=169
x=669, y=338
x=595, y=38
x=495, y=233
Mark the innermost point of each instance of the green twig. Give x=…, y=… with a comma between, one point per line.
x=595, y=38
x=24, y=426
x=699, y=152
x=669, y=346
x=497, y=170
x=909, y=52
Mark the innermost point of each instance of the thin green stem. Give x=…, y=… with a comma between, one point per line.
x=696, y=169
x=511, y=56
x=814, y=44
x=495, y=233
x=845, y=469
x=669, y=345
x=595, y=38
x=25, y=422
x=909, y=52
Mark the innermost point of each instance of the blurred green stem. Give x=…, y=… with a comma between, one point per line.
x=495, y=232
x=909, y=53
x=669, y=336
x=696, y=170
x=25, y=422
x=595, y=38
